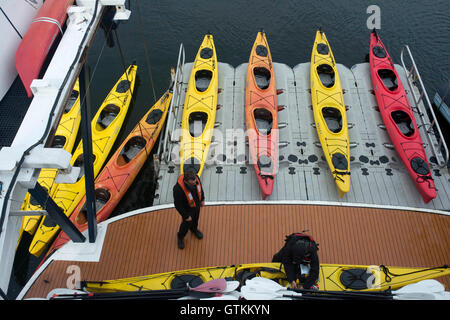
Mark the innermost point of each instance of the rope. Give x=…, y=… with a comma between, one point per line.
x=337, y=173
x=388, y=273
x=146, y=50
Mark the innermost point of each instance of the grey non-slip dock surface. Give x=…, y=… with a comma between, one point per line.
x=377, y=174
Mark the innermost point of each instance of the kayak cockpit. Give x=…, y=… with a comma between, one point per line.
x=79, y=162
x=102, y=196
x=388, y=78
x=263, y=120
x=326, y=75
x=107, y=116
x=403, y=122
x=131, y=150
x=262, y=77
x=72, y=99
x=59, y=142
x=333, y=119
x=197, y=123
x=203, y=80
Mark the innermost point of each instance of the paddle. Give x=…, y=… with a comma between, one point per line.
x=253, y=293
x=260, y=283
x=423, y=291
x=211, y=287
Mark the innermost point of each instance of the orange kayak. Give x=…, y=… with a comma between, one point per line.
x=261, y=114
x=121, y=170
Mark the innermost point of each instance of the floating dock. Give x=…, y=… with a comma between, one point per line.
x=377, y=175
x=382, y=220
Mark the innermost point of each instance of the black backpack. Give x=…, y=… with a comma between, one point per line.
x=303, y=237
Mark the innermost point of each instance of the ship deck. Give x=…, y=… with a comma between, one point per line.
x=381, y=221
x=377, y=174
x=144, y=241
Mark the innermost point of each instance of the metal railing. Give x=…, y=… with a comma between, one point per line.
x=165, y=148
x=433, y=132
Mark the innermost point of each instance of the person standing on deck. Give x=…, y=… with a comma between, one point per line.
x=188, y=198
x=299, y=249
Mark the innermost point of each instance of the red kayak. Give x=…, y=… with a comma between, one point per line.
x=398, y=118
x=36, y=43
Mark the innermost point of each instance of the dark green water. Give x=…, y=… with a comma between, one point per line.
x=290, y=27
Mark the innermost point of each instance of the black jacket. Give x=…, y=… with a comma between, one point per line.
x=286, y=256
x=181, y=203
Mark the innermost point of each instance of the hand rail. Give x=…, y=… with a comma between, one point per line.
x=431, y=129
x=165, y=148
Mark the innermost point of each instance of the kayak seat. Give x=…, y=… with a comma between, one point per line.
x=333, y=119
x=403, y=122
x=59, y=142
x=263, y=120
x=202, y=80
x=261, y=51
x=101, y=198
x=389, y=79
x=72, y=99
x=132, y=148
x=79, y=162
x=107, y=115
x=326, y=75
x=262, y=77
x=197, y=123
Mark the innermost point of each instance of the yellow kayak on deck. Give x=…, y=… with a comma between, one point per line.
x=200, y=106
x=332, y=277
x=65, y=136
x=329, y=112
x=105, y=126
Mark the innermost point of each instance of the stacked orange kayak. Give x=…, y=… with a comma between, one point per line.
x=121, y=170
x=261, y=114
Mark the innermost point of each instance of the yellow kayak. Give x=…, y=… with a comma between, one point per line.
x=65, y=136
x=200, y=106
x=329, y=112
x=105, y=126
x=332, y=277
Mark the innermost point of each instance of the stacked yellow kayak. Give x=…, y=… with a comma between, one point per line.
x=200, y=106
x=332, y=277
x=105, y=126
x=329, y=112
x=65, y=136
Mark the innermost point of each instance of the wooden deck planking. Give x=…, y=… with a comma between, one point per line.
x=146, y=243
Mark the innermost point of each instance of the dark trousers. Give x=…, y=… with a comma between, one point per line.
x=185, y=226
